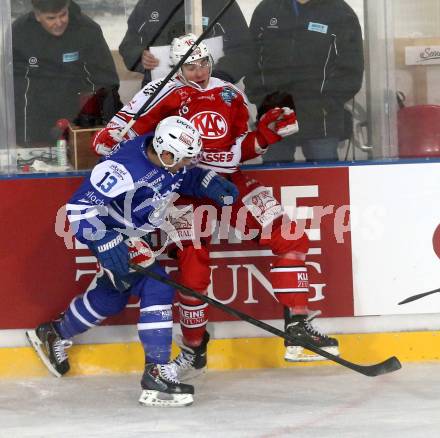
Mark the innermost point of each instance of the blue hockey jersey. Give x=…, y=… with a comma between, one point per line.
x=129, y=193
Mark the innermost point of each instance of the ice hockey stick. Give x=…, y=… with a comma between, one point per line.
x=387, y=366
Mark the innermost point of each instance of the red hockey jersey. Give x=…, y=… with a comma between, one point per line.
x=219, y=112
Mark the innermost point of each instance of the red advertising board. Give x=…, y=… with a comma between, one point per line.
x=40, y=275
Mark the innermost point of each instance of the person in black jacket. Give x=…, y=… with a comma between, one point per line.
x=63, y=69
x=311, y=49
x=148, y=17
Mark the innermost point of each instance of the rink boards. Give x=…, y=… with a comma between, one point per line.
x=375, y=240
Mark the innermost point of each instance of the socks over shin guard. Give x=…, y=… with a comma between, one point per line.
x=193, y=319
x=290, y=283
x=194, y=272
x=155, y=332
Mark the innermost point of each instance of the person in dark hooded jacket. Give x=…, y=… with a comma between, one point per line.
x=63, y=69
x=312, y=50
x=157, y=22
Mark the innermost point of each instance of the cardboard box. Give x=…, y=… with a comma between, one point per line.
x=419, y=76
x=79, y=153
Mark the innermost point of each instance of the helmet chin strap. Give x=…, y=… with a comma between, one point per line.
x=193, y=84
x=167, y=166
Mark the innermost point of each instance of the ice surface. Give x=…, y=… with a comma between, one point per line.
x=302, y=402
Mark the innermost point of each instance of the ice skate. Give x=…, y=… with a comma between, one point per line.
x=300, y=326
x=49, y=345
x=191, y=361
x=161, y=387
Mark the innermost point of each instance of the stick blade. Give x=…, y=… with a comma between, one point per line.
x=408, y=300
x=418, y=296
x=387, y=366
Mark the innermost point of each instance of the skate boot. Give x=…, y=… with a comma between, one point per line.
x=161, y=387
x=49, y=345
x=191, y=362
x=300, y=326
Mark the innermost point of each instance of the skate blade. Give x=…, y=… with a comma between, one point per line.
x=298, y=354
x=162, y=399
x=37, y=345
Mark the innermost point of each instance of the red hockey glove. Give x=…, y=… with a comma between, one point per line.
x=104, y=141
x=140, y=252
x=276, y=124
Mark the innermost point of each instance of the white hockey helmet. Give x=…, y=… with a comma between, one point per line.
x=178, y=136
x=181, y=45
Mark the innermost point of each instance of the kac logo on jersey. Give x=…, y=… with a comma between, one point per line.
x=210, y=124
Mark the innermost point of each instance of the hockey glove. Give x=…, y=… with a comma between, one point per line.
x=104, y=141
x=276, y=124
x=140, y=252
x=112, y=253
x=219, y=189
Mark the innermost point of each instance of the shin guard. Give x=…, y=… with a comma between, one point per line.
x=193, y=315
x=155, y=332
x=195, y=273
x=290, y=282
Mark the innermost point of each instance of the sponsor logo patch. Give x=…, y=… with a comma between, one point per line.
x=154, y=16
x=187, y=139
x=263, y=206
x=33, y=61
x=228, y=95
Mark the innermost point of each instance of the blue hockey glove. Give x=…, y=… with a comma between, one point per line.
x=112, y=253
x=219, y=189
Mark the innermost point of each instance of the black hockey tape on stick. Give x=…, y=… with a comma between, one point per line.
x=387, y=366
x=418, y=296
x=176, y=67
x=159, y=31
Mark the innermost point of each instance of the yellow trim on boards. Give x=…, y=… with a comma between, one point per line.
x=226, y=354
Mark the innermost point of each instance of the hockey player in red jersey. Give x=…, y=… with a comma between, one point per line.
x=219, y=111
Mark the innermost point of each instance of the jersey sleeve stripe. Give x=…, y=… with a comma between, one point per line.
x=77, y=217
x=124, y=115
x=77, y=206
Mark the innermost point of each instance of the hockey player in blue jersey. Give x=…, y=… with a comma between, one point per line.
x=125, y=198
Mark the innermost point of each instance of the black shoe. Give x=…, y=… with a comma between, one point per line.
x=49, y=345
x=191, y=362
x=300, y=327
x=161, y=387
